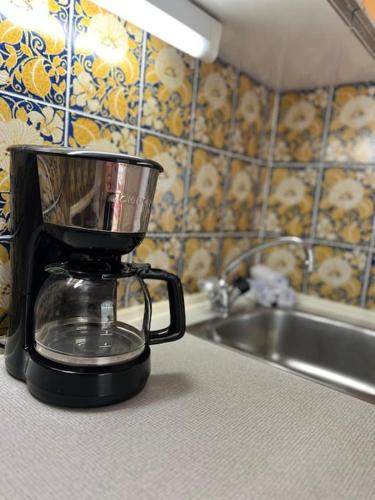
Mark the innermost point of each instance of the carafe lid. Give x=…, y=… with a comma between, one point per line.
x=95, y=271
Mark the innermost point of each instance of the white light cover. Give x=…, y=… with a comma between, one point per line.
x=178, y=22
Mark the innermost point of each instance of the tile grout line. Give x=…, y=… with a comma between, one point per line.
x=322, y=241
x=336, y=244
x=319, y=181
x=368, y=267
x=197, y=234
x=141, y=91
x=188, y=166
x=327, y=120
x=224, y=203
x=32, y=99
x=350, y=164
x=69, y=72
x=319, y=241
x=325, y=164
x=129, y=260
x=285, y=164
x=267, y=184
x=103, y=119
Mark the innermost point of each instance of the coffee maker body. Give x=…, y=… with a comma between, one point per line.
x=73, y=215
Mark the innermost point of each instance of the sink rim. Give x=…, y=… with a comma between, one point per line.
x=367, y=393
x=295, y=312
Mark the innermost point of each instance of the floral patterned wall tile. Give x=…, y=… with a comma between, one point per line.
x=214, y=104
x=4, y=326
x=100, y=136
x=346, y=206
x=206, y=191
x=26, y=122
x=249, y=116
x=288, y=260
x=231, y=249
x=106, y=63
x=168, y=89
x=352, y=128
x=167, y=208
x=241, y=196
x=200, y=261
x=4, y=213
x=105, y=82
x=338, y=274
x=33, y=51
x=5, y=286
x=161, y=254
x=300, y=126
x=291, y=201
x=370, y=299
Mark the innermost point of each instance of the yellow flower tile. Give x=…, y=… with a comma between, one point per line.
x=231, y=249
x=5, y=285
x=338, y=274
x=370, y=300
x=161, y=254
x=206, y=191
x=200, y=261
x=352, y=128
x=249, y=116
x=214, y=104
x=300, y=126
x=93, y=134
x=105, y=64
x=168, y=88
x=291, y=201
x=241, y=196
x=4, y=212
x=288, y=260
x=33, y=54
x=24, y=122
x=167, y=208
x=346, y=206
x=4, y=325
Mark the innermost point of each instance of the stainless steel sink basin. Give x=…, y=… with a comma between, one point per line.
x=332, y=352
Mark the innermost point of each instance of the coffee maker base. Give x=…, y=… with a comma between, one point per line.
x=65, y=386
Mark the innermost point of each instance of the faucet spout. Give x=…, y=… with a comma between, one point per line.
x=222, y=295
x=284, y=240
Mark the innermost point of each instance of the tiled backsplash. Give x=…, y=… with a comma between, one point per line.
x=320, y=185
x=242, y=163
x=73, y=74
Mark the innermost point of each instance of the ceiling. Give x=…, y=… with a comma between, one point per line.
x=290, y=44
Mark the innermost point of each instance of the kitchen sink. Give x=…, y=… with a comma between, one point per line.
x=334, y=353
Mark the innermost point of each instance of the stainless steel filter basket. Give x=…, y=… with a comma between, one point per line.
x=97, y=191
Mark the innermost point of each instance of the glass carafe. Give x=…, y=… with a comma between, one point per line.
x=76, y=315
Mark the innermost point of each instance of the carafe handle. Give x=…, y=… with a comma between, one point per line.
x=176, y=329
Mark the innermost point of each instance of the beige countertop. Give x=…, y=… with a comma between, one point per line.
x=210, y=424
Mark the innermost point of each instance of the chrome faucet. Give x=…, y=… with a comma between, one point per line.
x=222, y=295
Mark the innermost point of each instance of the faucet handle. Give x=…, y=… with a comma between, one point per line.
x=310, y=258
x=217, y=290
x=210, y=286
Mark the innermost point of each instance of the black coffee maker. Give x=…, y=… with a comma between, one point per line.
x=73, y=215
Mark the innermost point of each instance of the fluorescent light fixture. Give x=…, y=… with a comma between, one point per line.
x=180, y=23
